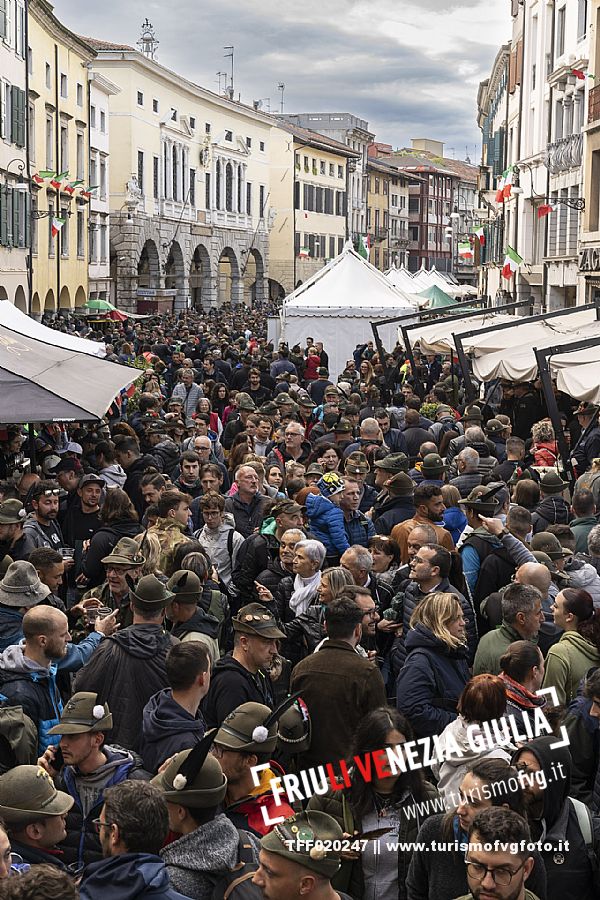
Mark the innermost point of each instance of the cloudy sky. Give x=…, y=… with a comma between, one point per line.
x=410, y=67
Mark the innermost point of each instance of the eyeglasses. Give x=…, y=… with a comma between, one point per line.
x=98, y=825
x=51, y=493
x=502, y=875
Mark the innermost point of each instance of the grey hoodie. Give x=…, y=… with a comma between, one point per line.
x=199, y=859
x=114, y=475
x=583, y=575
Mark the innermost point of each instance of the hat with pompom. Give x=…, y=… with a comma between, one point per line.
x=193, y=778
x=83, y=714
x=252, y=727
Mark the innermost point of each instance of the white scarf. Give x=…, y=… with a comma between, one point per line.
x=304, y=590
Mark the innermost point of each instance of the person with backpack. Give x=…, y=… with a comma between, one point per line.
x=208, y=853
x=219, y=538
x=190, y=621
x=570, y=837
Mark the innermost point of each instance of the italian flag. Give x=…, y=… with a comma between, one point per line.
x=86, y=195
x=544, y=210
x=304, y=253
x=70, y=187
x=578, y=73
x=508, y=184
x=56, y=180
x=364, y=245
x=512, y=261
x=40, y=177
x=57, y=224
x=500, y=188
x=480, y=234
x=465, y=250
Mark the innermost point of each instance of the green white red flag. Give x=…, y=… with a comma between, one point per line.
x=544, y=210
x=465, y=251
x=512, y=261
x=480, y=234
x=57, y=224
x=57, y=180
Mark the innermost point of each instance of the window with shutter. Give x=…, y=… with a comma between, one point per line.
x=8, y=194
x=17, y=237
x=3, y=216
x=3, y=18
x=27, y=223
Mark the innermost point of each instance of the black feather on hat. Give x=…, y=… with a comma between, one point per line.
x=191, y=766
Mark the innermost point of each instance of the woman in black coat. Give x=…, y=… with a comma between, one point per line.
x=435, y=671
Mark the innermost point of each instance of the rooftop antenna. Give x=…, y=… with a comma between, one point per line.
x=467, y=157
x=230, y=56
x=219, y=76
x=281, y=87
x=148, y=43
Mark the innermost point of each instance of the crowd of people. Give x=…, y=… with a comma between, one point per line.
x=227, y=608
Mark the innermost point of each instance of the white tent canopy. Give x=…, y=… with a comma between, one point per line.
x=13, y=318
x=436, y=337
x=338, y=304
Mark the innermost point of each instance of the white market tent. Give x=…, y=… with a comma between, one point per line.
x=338, y=304
x=13, y=318
x=436, y=337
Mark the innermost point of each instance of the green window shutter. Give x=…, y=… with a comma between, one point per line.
x=14, y=113
x=16, y=219
x=3, y=12
x=20, y=137
x=9, y=216
x=3, y=216
x=27, y=224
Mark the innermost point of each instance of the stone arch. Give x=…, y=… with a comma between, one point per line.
x=229, y=282
x=50, y=302
x=36, y=307
x=21, y=299
x=174, y=269
x=276, y=291
x=80, y=297
x=148, y=267
x=200, y=278
x=64, y=300
x=3, y=294
x=255, y=288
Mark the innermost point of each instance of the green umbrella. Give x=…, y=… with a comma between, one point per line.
x=98, y=303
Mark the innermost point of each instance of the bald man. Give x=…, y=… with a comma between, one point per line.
x=28, y=670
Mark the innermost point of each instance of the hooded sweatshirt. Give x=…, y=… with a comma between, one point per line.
x=197, y=860
x=230, y=686
x=130, y=876
x=567, y=662
x=126, y=670
x=451, y=772
x=551, y=511
x=114, y=475
x=167, y=728
x=583, y=575
x=327, y=523
x=569, y=871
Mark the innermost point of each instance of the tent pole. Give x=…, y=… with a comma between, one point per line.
x=470, y=392
x=32, y=447
x=544, y=369
x=411, y=359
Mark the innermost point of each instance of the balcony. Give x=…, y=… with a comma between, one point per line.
x=225, y=219
x=594, y=105
x=564, y=155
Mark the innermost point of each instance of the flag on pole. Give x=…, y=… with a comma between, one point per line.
x=578, y=73
x=500, y=188
x=56, y=180
x=508, y=184
x=512, y=261
x=57, y=224
x=364, y=245
x=480, y=233
x=40, y=177
x=465, y=251
x=70, y=187
x=544, y=210
x=86, y=195
x=304, y=253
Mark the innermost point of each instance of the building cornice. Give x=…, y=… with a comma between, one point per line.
x=43, y=13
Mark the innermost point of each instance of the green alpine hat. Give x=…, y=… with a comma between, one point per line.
x=294, y=729
x=193, y=778
x=83, y=714
x=244, y=729
x=126, y=552
x=28, y=794
x=393, y=462
x=150, y=592
x=245, y=401
x=185, y=586
x=295, y=839
x=552, y=483
x=433, y=465
x=12, y=512
x=483, y=500
x=546, y=542
x=256, y=620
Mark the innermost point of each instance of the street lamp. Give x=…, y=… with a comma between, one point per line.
x=577, y=203
x=21, y=184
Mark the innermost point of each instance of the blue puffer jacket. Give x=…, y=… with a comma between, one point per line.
x=326, y=522
x=139, y=875
x=430, y=682
x=25, y=683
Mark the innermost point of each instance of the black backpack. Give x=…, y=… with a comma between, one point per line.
x=237, y=883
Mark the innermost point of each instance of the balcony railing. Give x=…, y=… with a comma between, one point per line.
x=594, y=104
x=564, y=155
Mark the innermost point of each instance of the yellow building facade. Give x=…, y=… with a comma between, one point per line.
x=309, y=190
x=59, y=143
x=379, y=180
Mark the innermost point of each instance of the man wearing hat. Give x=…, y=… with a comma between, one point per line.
x=471, y=416
x=258, y=550
x=291, y=866
x=130, y=666
x=388, y=466
x=207, y=846
x=552, y=509
x=587, y=447
x=395, y=504
x=242, y=676
x=498, y=433
x=246, y=406
x=190, y=621
x=20, y=590
x=356, y=469
x=90, y=766
x=317, y=388
x=123, y=563
x=35, y=814
x=247, y=738
x=12, y=519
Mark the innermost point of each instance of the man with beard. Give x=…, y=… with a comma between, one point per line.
x=499, y=874
x=429, y=506
x=558, y=820
x=41, y=528
x=28, y=670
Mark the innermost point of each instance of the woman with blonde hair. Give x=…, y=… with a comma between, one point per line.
x=151, y=551
x=544, y=447
x=435, y=671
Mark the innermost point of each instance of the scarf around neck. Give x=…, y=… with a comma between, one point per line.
x=304, y=590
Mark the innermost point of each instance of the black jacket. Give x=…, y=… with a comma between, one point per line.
x=125, y=671
x=587, y=447
x=551, y=511
x=230, y=686
x=105, y=539
x=135, y=473
x=390, y=511
x=167, y=729
x=247, y=516
x=254, y=555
